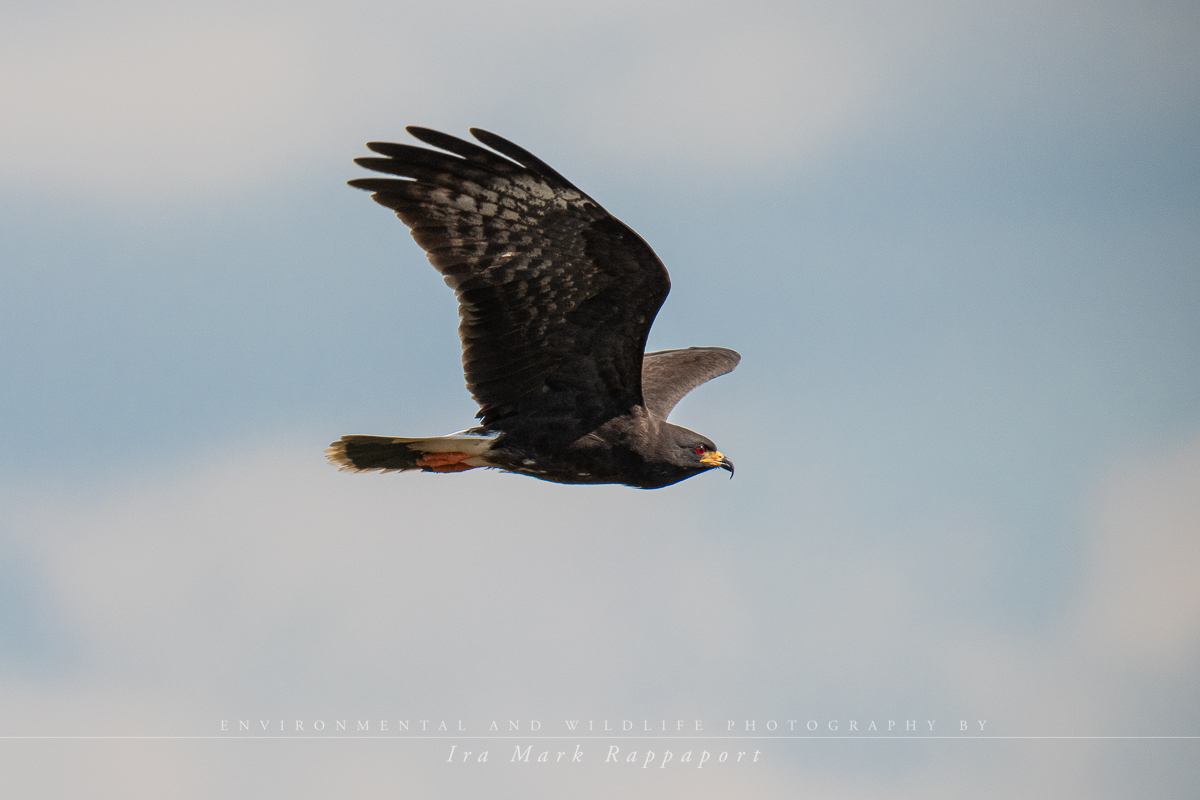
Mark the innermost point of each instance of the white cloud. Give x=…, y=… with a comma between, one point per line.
x=130, y=99
x=271, y=586
x=112, y=99
x=1142, y=607
x=171, y=577
x=732, y=94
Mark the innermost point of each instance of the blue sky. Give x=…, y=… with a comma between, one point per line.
x=955, y=243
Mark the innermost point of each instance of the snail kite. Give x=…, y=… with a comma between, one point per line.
x=556, y=299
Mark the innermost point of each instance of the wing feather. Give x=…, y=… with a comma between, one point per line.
x=556, y=296
x=668, y=375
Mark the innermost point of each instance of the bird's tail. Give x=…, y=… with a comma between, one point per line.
x=453, y=453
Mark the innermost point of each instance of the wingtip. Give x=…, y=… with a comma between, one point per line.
x=489, y=138
x=442, y=141
x=423, y=134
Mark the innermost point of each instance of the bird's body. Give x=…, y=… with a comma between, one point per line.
x=556, y=299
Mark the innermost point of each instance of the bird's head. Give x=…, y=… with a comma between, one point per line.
x=697, y=453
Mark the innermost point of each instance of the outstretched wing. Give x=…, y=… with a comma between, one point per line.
x=667, y=375
x=556, y=296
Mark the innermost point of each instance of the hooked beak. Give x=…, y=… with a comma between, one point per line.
x=716, y=459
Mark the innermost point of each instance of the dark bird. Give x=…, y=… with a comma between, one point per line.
x=556, y=299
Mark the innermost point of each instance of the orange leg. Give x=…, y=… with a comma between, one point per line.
x=444, y=462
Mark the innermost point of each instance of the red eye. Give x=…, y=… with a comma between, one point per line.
x=701, y=449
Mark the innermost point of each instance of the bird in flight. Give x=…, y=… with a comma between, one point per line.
x=556, y=299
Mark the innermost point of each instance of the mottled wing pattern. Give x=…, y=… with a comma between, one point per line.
x=667, y=375
x=556, y=296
